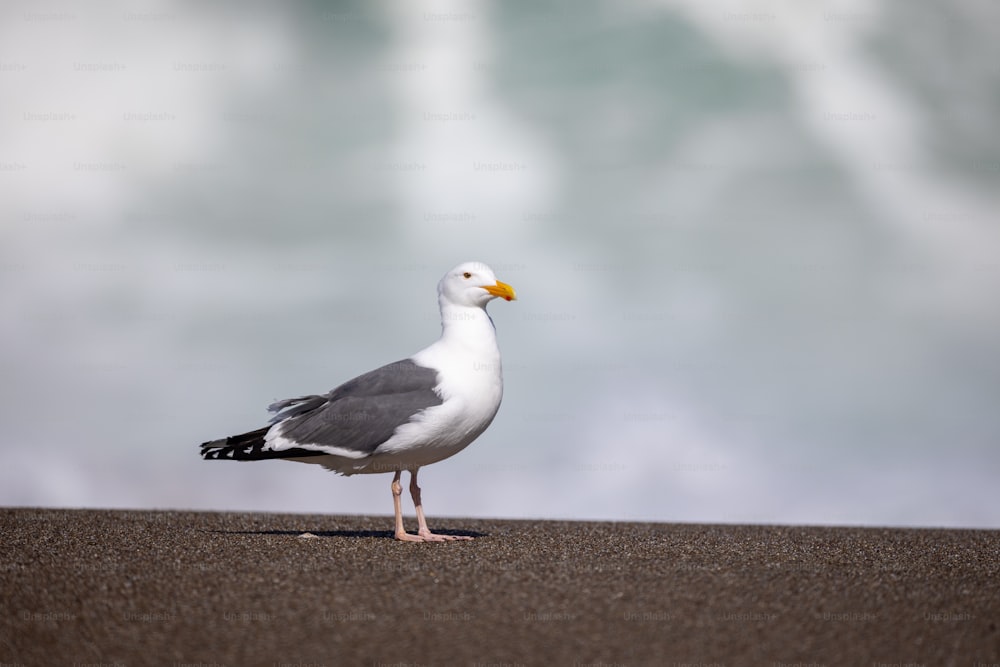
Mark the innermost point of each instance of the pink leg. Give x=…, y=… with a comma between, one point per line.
x=422, y=530
x=397, y=491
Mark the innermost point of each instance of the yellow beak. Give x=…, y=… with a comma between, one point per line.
x=502, y=290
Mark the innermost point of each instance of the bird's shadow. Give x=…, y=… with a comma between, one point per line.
x=383, y=534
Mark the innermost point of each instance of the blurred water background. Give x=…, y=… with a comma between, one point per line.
x=756, y=247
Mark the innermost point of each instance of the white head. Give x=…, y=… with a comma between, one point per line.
x=472, y=284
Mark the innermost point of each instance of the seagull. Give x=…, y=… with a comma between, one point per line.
x=401, y=416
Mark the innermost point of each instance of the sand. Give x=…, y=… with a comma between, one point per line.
x=91, y=587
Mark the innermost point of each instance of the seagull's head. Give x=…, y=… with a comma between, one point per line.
x=473, y=284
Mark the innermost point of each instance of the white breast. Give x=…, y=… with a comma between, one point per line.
x=471, y=386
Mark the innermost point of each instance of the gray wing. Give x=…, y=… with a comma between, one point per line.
x=362, y=413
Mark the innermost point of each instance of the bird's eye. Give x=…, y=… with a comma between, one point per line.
x=466, y=275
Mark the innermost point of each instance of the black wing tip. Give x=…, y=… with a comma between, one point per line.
x=235, y=447
x=244, y=448
x=216, y=449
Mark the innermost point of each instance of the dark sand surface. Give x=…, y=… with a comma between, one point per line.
x=181, y=588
